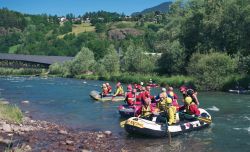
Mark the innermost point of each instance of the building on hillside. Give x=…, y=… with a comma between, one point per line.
x=62, y=19
x=76, y=19
x=87, y=20
x=153, y=54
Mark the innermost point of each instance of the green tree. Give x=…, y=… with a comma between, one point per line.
x=111, y=61
x=67, y=27
x=83, y=62
x=211, y=70
x=172, y=60
x=99, y=47
x=244, y=65
x=100, y=27
x=135, y=60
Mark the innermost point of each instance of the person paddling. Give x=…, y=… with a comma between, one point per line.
x=130, y=96
x=171, y=111
x=109, y=88
x=104, y=90
x=146, y=110
x=161, y=101
x=189, y=93
x=190, y=108
x=173, y=96
x=119, y=90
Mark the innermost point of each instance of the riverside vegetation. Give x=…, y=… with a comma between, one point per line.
x=201, y=42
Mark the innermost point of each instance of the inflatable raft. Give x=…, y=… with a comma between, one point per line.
x=96, y=95
x=127, y=111
x=241, y=91
x=153, y=85
x=135, y=125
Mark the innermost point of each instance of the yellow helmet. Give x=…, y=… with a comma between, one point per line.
x=168, y=100
x=188, y=100
x=171, y=93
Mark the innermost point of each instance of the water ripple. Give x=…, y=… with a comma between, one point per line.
x=213, y=108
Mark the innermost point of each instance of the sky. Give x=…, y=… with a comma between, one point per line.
x=78, y=7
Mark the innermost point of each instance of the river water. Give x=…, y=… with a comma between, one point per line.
x=67, y=102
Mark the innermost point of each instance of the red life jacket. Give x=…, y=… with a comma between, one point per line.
x=193, y=109
x=138, y=97
x=130, y=98
x=105, y=91
x=147, y=94
x=109, y=89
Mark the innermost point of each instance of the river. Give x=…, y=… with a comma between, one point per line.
x=67, y=102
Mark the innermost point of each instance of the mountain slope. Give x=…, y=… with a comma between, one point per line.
x=163, y=7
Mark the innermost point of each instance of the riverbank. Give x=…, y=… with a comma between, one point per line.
x=36, y=135
x=175, y=81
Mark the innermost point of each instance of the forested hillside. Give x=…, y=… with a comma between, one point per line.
x=207, y=40
x=163, y=8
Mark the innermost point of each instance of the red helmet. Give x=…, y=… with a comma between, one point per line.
x=183, y=88
x=129, y=87
x=118, y=84
x=147, y=88
x=143, y=88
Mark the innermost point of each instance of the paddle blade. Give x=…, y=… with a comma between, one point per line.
x=206, y=120
x=122, y=123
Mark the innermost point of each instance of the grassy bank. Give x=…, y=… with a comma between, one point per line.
x=21, y=71
x=237, y=80
x=10, y=113
x=175, y=81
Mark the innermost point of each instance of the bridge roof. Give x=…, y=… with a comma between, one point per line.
x=35, y=58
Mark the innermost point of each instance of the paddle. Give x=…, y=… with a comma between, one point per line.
x=112, y=99
x=203, y=119
x=169, y=135
x=122, y=123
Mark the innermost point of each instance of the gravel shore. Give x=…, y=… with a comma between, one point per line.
x=42, y=136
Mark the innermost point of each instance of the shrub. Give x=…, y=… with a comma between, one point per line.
x=10, y=113
x=21, y=71
x=111, y=61
x=172, y=60
x=56, y=68
x=211, y=71
x=135, y=60
x=83, y=62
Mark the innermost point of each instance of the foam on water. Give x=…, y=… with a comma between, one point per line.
x=246, y=117
x=213, y=108
x=247, y=129
x=237, y=128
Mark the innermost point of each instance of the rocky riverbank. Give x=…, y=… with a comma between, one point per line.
x=34, y=135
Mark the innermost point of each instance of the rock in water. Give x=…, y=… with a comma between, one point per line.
x=69, y=142
x=108, y=133
x=25, y=102
x=4, y=102
x=64, y=132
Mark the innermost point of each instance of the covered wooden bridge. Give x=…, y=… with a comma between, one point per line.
x=30, y=61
